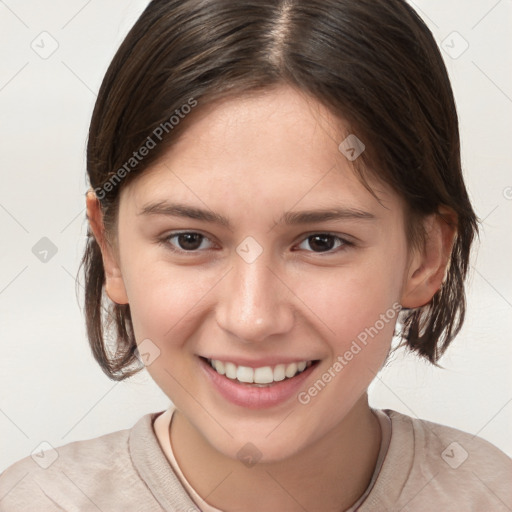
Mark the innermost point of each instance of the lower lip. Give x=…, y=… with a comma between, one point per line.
x=253, y=397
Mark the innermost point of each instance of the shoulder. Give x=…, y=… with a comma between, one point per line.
x=441, y=466
x=81, y=472
x=455, y=448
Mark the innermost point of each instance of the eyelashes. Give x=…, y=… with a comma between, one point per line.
x=191, y=243
x=189, y=237
x=320, y=238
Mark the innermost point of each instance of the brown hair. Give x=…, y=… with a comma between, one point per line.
x=373, y=63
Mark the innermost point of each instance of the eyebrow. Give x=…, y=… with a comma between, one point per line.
x=288, y=218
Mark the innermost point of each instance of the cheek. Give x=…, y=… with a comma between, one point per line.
x=353, y=300
x=360, y=309
x=163, y=298
x=165, y=305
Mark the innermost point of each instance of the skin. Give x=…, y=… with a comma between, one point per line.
x=251, y=160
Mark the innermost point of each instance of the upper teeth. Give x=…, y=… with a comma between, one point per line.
x=262, y=375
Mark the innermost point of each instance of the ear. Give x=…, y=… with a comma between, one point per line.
x=114, y=284
x=429, y=263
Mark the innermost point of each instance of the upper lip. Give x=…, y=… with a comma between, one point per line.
x=258, y=363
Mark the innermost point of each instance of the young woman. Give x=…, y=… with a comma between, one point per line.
x=276, y=190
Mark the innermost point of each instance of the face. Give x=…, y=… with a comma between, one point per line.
x=219, y=261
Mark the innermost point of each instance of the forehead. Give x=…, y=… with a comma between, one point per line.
x=279, y=147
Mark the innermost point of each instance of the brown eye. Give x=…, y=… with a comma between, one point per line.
x=324, y=242
x=190, y=241
x=185, y=242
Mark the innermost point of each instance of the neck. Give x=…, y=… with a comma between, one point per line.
x=330, y=474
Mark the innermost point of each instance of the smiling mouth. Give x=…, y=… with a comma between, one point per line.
x=263, y=376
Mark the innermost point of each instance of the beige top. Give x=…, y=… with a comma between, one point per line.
x=427, y=467
x=163, y=422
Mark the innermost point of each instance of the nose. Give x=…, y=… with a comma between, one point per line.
x=255, y=304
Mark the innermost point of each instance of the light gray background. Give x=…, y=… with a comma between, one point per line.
x=50, y=387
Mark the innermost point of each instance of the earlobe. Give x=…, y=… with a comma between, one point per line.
x=430, y=262
x=114, y=284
